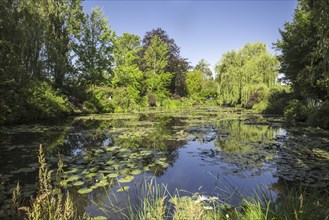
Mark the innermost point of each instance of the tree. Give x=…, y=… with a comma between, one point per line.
x=95, y=49
x=244, y=73
x=176, y=64
x=203, y=67
x=127, y=74
x=63, y=22
x=304, y=50
x=194, y=80
x=155, y=61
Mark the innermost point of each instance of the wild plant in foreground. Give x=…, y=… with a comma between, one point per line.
x=50, y=203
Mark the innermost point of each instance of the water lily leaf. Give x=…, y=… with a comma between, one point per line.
x=63, y=183
x=73, y=178
x=113, y=175
x=98, y=218
x=73, y=170
x=123, y=189
x=85, y=190
x=136, y=172
x=127, y=179
x=102, y=183
x=90, y=175
x=78, y=183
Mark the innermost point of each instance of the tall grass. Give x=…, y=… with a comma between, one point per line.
x=50, y=202
x=155, y=202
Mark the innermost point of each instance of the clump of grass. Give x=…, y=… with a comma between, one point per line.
x=50, y=203
x=152, y=203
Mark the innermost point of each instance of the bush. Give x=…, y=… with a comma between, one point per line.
x=296, y=111
x=46, y=103
x=277, y=99
x=99, y=100
x=171, y=104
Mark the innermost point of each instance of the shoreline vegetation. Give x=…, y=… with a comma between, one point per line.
x=63, y=62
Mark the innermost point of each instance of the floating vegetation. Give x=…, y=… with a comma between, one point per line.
x=123, y=189
x=96, y=167
x=85, y=190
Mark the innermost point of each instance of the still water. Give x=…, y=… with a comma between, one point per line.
x=211, y=151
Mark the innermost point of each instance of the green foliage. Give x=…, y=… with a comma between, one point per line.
x=199, y=87
x=155, y=61
x=278, y=100
x=304, y=50
x=203, y=67
x=94, y=49
x=100, y=100
x=172, y=104
x=177, y=65
x=45, y=102
x=249, y=72
x=295, y=111
x=34, y=101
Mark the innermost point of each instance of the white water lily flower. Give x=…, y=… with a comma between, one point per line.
x=208, y=207
x=203, y=198
x=214, y=198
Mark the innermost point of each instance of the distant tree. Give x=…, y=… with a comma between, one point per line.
x=194, y=80
x=95, y=49
x=155, y=61
x=203, y=67
x=126, y=71
x=240, y=73
x=176, y=64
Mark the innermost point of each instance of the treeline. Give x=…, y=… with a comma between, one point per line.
x=56, y=60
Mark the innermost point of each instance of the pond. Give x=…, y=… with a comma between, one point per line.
x=221, y=152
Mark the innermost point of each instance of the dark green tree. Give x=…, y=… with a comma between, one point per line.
x=95, y=50
x=176, y=64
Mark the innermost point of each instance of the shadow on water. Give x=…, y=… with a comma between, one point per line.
x=210, y=151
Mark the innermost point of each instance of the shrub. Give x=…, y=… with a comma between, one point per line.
x=296, y=111
x=171, y=104
x=99, y=100
x=45, y=103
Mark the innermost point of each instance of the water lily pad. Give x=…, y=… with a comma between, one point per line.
x=78, y=183
x=113, y=175
x=136, y=172
x=99, y=218
x=73, y=178
x=90, y=175
x=127, y=179
x=102, y=183
x=123, y=189
x=85, y=190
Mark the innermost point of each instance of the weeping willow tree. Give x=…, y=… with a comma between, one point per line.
x=245, y=76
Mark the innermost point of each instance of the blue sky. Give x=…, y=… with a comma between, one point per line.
x=202, y=29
